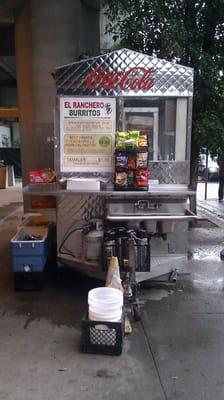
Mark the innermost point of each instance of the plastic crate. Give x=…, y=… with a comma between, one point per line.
x=102, y=337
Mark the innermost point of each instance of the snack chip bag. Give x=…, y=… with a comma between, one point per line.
x=143, y=140
x=141, y=178
x=142, y=160
x=132, y=161
x=130, y=178
x=121, y=137
x=121, y=160
x=121, y=179
x=132, y=141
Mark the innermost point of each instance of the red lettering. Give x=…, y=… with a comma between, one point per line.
x=94, y=78
x=136, y=78
x=67, y=104
x=131, y=78
x=147, y=81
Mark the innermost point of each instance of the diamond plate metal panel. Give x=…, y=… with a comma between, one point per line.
x=74, y=212
x=177, y=172
x=169, y=79
x=81, y=207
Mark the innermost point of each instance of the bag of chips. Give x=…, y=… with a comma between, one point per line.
x=132, y=141
x=121, y=138
x=121, y=160
x=132, y=161
x=130, y=178
x=142, y=160
x=121, y=179
x=141, y=178
x=143, y=140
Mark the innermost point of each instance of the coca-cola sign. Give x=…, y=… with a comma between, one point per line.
x=136, y=78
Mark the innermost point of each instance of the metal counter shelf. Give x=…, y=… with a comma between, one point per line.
x=153, y=192
x=150, y=217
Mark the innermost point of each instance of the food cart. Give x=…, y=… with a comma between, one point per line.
x=122, y=91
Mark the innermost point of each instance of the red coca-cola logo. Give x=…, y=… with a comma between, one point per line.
x=136, y=78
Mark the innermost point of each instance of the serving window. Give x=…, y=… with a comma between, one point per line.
x=164, y=121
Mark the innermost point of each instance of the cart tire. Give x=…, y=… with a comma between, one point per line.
x=21, y=284
x=136, y=312
x=40, y=282
x=18, y=287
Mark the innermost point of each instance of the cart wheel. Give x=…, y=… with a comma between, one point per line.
x=18, y=287
x=39, y=284
x=19, y=283
x=136, y=312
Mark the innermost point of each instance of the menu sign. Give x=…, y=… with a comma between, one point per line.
x=87, y=127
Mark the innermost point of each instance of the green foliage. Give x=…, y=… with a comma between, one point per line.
x=188, y=32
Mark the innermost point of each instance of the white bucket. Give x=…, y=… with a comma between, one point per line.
x=105, y=304
x=100, y=310
x=102, y=317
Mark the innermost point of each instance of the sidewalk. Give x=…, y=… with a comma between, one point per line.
x=213, y=210
x=10, y=199
x=175, y=352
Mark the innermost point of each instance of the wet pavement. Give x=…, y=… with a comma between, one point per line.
x=213, y=210
x=210, y=208
x=185, y=327
x=174, y=353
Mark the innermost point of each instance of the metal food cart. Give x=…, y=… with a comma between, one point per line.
x=122, y=90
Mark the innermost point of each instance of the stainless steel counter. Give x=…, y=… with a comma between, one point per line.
x=157, y=191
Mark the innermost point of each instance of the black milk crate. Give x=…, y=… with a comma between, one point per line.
x=102, y=337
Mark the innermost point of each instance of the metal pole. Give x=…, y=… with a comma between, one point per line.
x=206, y=174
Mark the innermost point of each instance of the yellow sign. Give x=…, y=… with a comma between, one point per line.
x=85, y=126
x=88, y=161
x=87, y=144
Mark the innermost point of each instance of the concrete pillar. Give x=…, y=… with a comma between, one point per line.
x=24, y=72
x=55, y=41
x=48, y=33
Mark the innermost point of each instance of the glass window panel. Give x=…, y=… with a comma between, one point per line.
x=164, y=141
x=167, y=122
x=143, y=122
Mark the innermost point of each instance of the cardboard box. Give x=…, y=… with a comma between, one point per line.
x=39, y=202
x=41, y=176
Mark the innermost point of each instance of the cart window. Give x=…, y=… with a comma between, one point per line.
x=167, y=129
x=165, y=122
x=143, y=122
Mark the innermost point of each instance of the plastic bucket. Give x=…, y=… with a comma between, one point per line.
x=109, y=307
x=105, y=304
x=102, y=317
x=113, y=315
x=105, y=295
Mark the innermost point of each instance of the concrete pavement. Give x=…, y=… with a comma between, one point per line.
x=174, y=353
x=40, y=343
x=213, y=210
x=10, y=199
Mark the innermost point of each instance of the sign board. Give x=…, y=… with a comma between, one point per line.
x=87, y=128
